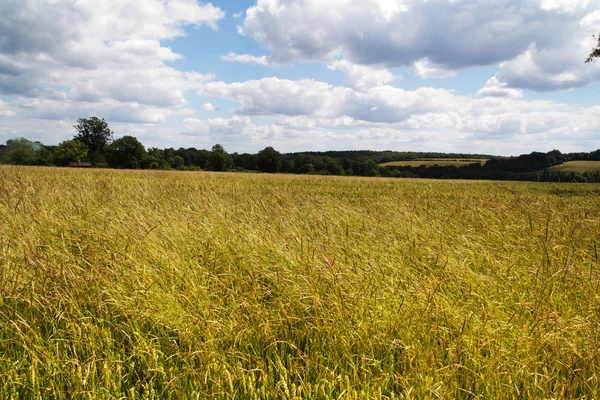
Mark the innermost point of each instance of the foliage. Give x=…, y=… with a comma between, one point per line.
x=126, y=152
x=22, y=151
x=69, y=151
x=595, y=53
x=94, y=133
x=269, y=160
x=219, y=160
x=130, y=153
x=152, y=284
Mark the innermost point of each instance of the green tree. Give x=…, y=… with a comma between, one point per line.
x=25, y=152
x=177, y=162
x=126, y=152
x=269, y=160
x=219, y=160
x=94, y=133
x=155, y=159
x=70, y=151
x=595, y=51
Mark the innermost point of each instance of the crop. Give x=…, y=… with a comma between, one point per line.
x=143, y=284
x=577, y=166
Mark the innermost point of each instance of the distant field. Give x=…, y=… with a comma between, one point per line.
x=577, y=166
x=148, y=285
x=428, y=162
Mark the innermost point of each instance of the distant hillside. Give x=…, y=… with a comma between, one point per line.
x=576, y=167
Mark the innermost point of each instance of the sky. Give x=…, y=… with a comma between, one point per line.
x=501, y=77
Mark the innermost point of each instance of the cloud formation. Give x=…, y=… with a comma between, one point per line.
x=497, y=114
x=436, y=37
x=248, y=59
x=63, y=58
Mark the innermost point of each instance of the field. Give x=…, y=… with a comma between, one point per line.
x=577, y=166
x=163, y=285
x=429, y=162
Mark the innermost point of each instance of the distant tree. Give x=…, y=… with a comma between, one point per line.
x=25, y=152
x=595, y=51
x=269, y=160
x=177, y=162
x=126, y=152
x=94, y=133
x=219, y=160
x=69, y=151
x=155, y=159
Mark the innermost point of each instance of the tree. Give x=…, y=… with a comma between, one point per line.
x=155, y=159
x=25, y=152
x=595, y=51
x=219, y=160
x=269, y=160
x=94, y=133
x=126, y=152
x=70, y=151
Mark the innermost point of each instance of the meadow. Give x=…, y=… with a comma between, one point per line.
x=142, y=285
x=429, y=162
x=576, y=166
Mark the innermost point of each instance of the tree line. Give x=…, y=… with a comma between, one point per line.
x=94, y=145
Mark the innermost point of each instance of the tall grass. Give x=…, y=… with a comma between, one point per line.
x=196, y=285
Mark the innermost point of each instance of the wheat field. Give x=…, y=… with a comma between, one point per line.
x=577, y=167
x=144, y=285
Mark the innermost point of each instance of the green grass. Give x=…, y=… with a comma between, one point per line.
x=576, y=166
x=429, y=162
x=203, y=285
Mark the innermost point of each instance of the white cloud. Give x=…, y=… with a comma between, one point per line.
x=6, y=110
x=495, y=88
x=549, y=70
x=564, y=5
x=425, y=69
x=433, y=37
x=362, y=77
x=248, y=59
x=452, y=34
x=272, y=96
x=106, y=57
x=208, y=107
x=591, y=21
x=383, y=115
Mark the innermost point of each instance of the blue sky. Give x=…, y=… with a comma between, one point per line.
x=503, y=77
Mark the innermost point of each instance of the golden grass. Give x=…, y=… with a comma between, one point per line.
x=429, y=162
x=203, y=285
x=576, y=166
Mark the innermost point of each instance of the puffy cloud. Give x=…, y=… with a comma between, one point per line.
x=384, y=115
x=451, y=34
x=234, y=125
x=591, y=21
x=564, y=5
x=495, y=88
x=362, y=77
x=425, y=69
x=6, y=110
x=208, y=107
x=248, y=59
x=272, y=96
x=549, y=70
x=72, y=56
x=435, y=37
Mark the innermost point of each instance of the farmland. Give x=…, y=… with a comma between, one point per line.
x=146, y=284
x=576, y=166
